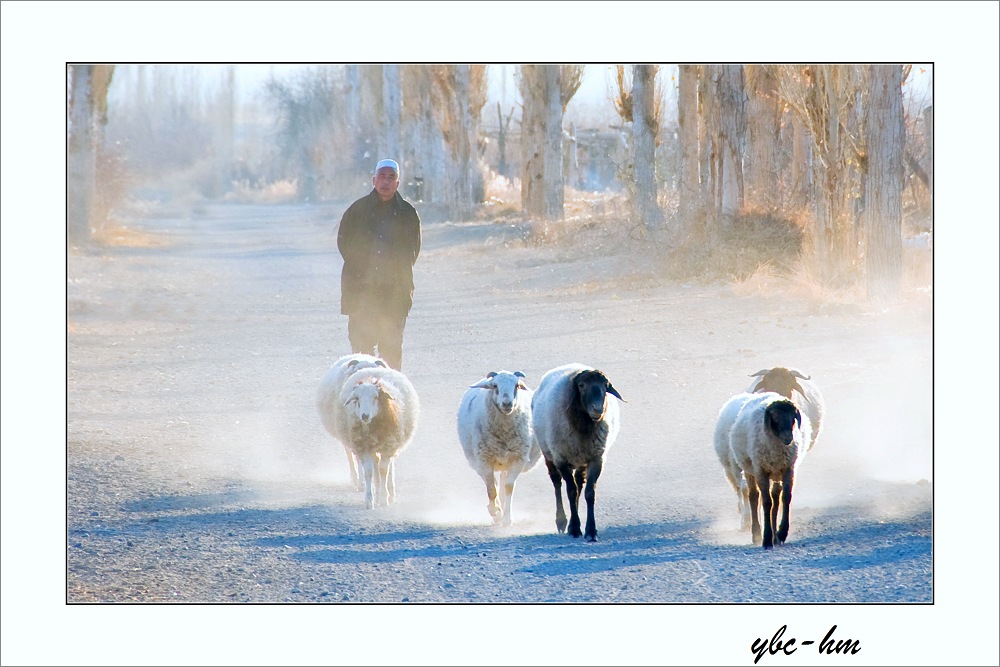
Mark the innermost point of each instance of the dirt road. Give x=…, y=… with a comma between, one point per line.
x=198, y=470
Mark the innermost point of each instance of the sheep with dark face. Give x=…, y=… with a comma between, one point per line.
x=575, y=424
x=767, y=442
x=796, y=387
x=331, y=410
x=494, y=427
x=381, y=410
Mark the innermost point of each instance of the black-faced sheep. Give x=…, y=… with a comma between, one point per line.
x=575, y=424
x=331, y=410
x=796, y=387
x=381, y=411
x=494, y=427
x=768, y=441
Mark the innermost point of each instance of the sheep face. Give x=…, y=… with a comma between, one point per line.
x=781, y=417
x=365, y=401
x=592, y=389
x=779, y=380
x=503, y=388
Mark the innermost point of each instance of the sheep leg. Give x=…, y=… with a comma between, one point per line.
x=753, y=495
x=384, y=467
x=507, y=480
x=573, y=495
x=557, y=483
x=356, y=479
x=786, y=501
x=368, y=463
x=775, y=504
x=590, y=493
x=492, y=506
x=391, y=481
x=766, y=507
x=743, y=501
x=739, y=484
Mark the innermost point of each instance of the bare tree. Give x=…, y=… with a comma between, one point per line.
x=724, y=104
x=86, y=117
x=554, y=182
x=391, y=109
x=305, y=107
x=763, y=137
x=645, y=128
x=885, y=137
x=687, y=118
x=823, y=97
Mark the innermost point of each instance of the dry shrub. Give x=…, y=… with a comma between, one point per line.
x=735, y=250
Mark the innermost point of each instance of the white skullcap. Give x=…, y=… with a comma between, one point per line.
x=387, y=163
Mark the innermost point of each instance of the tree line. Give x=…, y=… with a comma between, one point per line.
x=827, y=140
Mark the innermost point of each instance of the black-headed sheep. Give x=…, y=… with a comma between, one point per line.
x=575, y=424
x=381, y=411
x=767, y=442
x=494, y=427
x=798, y=388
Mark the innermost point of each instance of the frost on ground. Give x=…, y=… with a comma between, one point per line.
x=198, y=469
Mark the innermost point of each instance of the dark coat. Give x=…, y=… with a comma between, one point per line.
x=379, y=242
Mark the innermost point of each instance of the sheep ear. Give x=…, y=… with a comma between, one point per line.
x=800, y=375
x=759, y=373
x=797, y=387
x=756, y=386
x=614, y=392
x=485, y=383
x=798, y=417
x=352, y=363
x=521, y=385
x=379, y=362
x=519, y=374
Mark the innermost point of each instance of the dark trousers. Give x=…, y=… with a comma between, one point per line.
x=371, y=328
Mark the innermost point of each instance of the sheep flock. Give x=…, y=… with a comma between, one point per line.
x=570, y=420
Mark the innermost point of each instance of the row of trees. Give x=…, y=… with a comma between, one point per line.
x=828, y=140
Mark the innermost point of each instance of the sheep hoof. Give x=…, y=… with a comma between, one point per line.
x=575, y=531
x=591, y=538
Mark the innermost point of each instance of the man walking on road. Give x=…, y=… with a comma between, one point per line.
x=379, y=239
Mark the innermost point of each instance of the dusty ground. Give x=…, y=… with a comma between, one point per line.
x=198, y=470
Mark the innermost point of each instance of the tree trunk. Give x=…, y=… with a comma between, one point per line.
x=644, y=145
x=81, y=154
x=763, y=133
x=392, y=107
x=929, y=138
x=553, y=169
x=462, y=203
x=801, y=163
x=532, y=141
x=732, y=140
x=687, y=117
x=223, y=138
x=885, y=137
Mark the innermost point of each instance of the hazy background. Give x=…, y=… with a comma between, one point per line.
x=958, y=37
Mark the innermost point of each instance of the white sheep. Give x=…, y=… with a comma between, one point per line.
x=734, y=473
x=768, y=441
x=331, y=410
x=494, y=427
x=798, y=388
x=381, y=412
x=575, y=424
